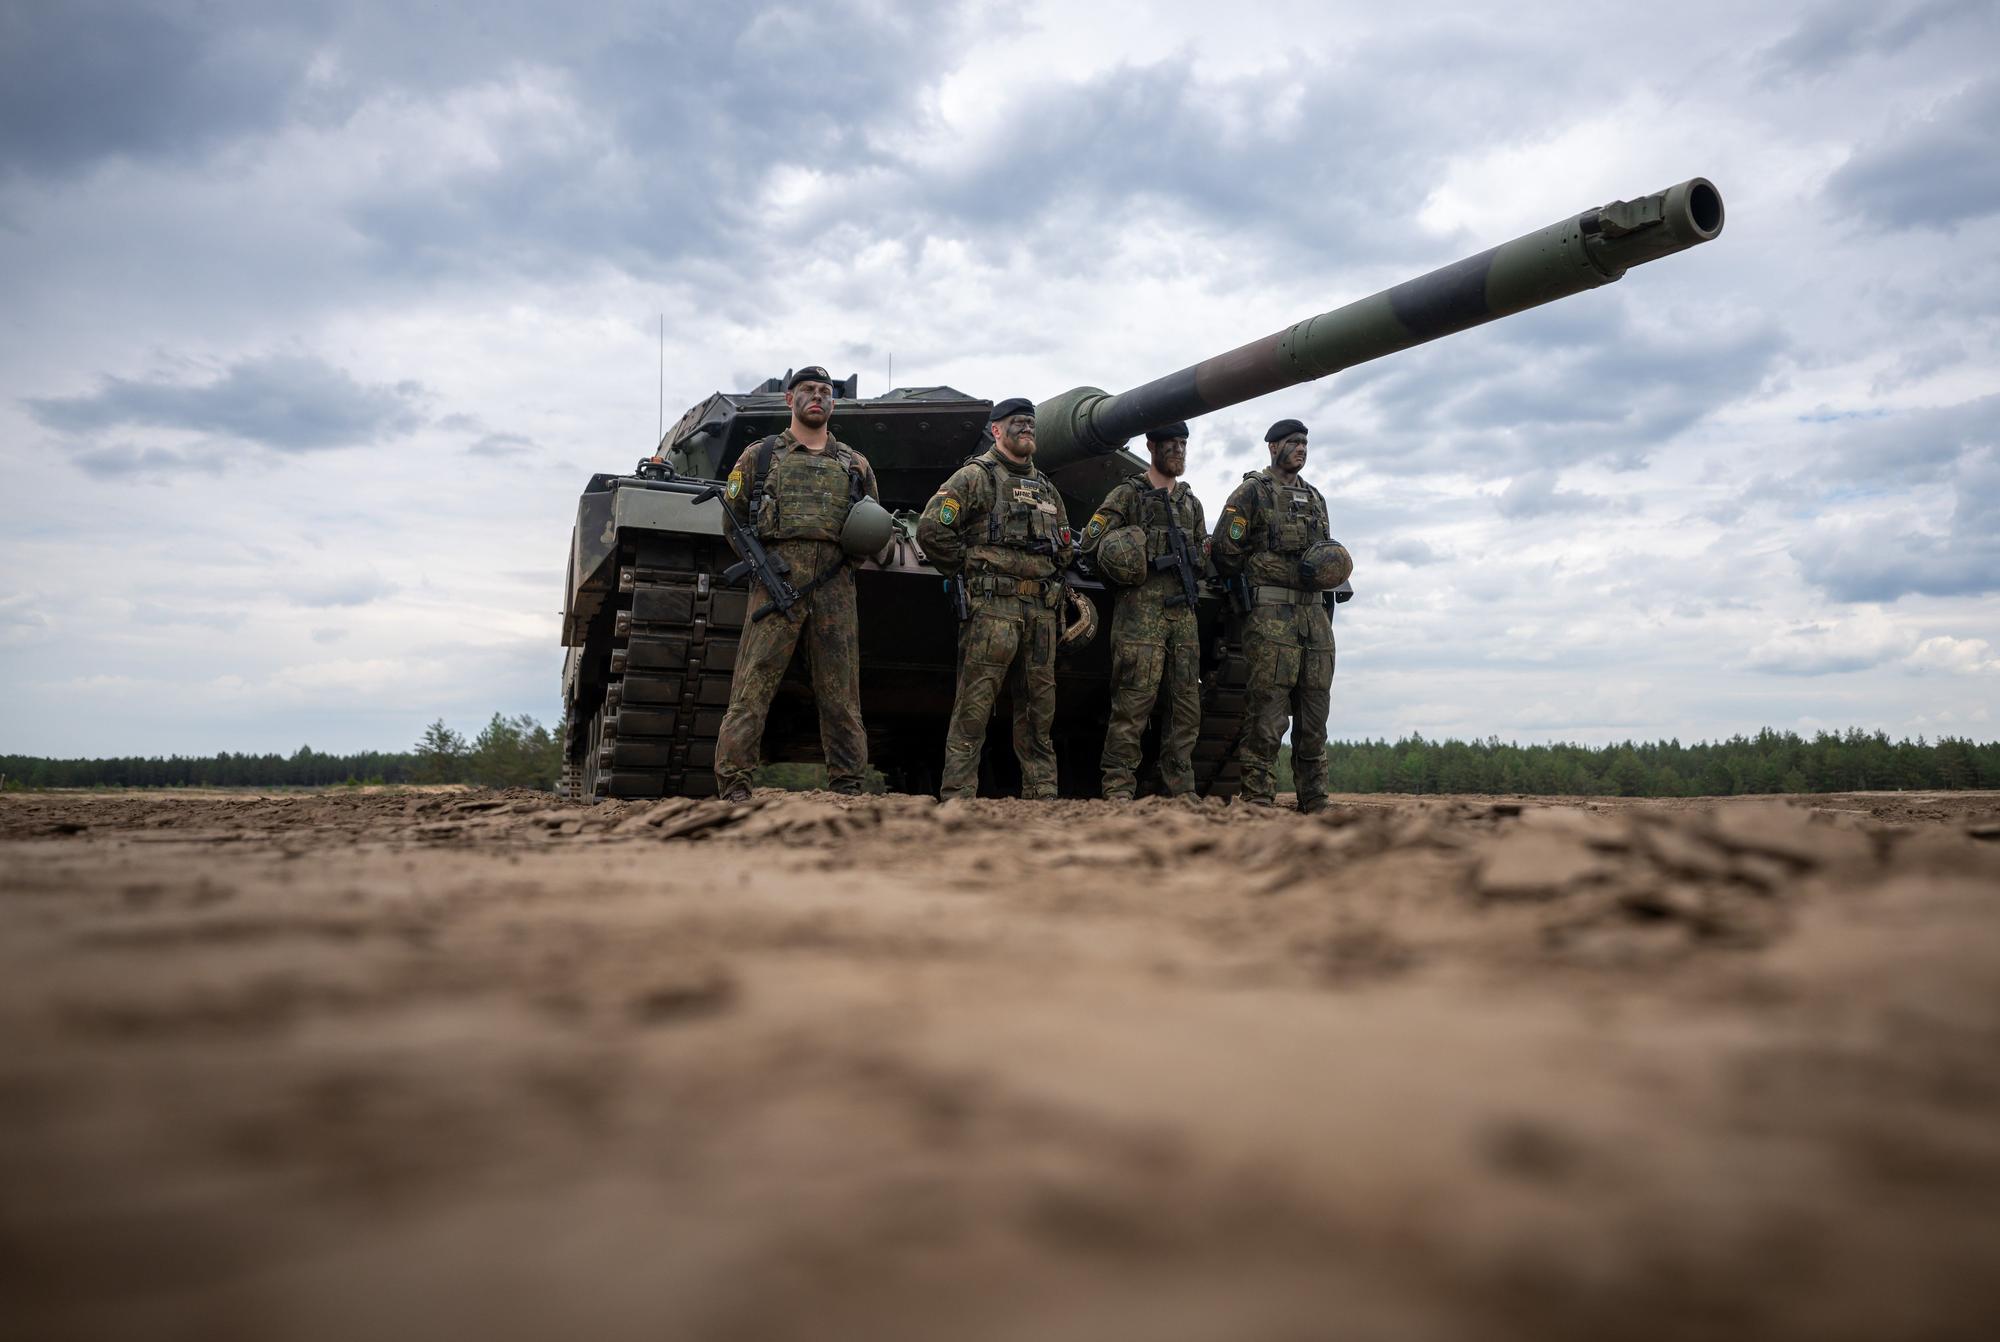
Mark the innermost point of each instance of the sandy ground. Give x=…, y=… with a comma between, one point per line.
x=453, y=1065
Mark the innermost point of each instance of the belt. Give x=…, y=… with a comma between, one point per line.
x=999, y=584
x=1285, y=596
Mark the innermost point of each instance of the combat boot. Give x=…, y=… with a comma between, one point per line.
x=736, y=793
x=1311, y=805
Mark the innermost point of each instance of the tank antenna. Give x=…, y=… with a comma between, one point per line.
x=663, y=382
x=891, y=379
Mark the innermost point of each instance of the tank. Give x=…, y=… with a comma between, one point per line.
x=650, y=625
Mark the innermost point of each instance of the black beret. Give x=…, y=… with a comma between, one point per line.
x=1154, y=435
x=812, y=372
x=1012, y=406
x=1282, y=430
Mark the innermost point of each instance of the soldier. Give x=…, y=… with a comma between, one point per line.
x=1146, y=526
x=1264, y=533
x=997, y=527
x=796, y=489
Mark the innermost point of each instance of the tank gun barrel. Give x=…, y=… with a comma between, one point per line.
x=1582, y=252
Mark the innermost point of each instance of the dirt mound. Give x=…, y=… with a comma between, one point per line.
x=442, y=1063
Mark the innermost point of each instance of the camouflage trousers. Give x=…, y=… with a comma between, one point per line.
x=827, y=623
x=1155, y=652
x=1008, y=640
x=1290, y=652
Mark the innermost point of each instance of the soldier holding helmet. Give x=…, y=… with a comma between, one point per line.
x=797, y=489
x=1155, y=642
x=1273, y=532
x=997, y=526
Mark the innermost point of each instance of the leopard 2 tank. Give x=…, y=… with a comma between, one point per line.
x=650, y=627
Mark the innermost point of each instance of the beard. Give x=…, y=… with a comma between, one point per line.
x=1020, y=444
x=813, y=416
x=1170, y=463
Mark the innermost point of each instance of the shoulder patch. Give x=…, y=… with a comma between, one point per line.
x=1096, y=526
x=1237, y=527
x=948, y=510
x=735, y=490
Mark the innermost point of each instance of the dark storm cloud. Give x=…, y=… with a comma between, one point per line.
x=503, y=445
x=1883, y=564
x=1535, y=495
x=683, y=111
x=351, y=589
x=83, y=79
x=111, y=463
x=1900, y=450
x=641, y=137
x=291, y=403
x=1577, y=381
x=1305, y=165
x=1937, y=172
x=1834, y=34
x=1410, y=551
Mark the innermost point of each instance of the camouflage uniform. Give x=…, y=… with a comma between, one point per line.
x=1288, y=637
x=1155, y=646
x=799, y=508
x=1011, y=553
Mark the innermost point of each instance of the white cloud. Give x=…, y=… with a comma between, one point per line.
x=1829, y=647
x=1956, y=656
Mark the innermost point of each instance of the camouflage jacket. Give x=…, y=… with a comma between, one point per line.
x=1265, y=527
x=992, y=516
x=791, y=493
x=1134, y=502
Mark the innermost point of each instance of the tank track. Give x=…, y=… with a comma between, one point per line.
x=1224, y=697
x=673, y=648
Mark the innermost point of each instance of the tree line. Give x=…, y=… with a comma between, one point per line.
x=521, y=752
x=507, y=752
x=1770, y=761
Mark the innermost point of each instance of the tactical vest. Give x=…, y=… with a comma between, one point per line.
x=803, y=495
x=1150, y=511
x=1027, y=513
x=1294, y=520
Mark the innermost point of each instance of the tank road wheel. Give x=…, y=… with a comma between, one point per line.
x=1223, y=697
x=673, y=649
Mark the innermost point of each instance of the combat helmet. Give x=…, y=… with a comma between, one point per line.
x=867, y=529
x=1121, y=556
x=1325, y=565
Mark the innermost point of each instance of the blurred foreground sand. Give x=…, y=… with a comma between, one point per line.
x=460, y=1064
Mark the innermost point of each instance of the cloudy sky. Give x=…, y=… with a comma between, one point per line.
x=318, y=316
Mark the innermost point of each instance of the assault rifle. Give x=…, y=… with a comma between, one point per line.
x=771, y=571
x=1180, y=558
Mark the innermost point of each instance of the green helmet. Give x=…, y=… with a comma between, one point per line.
x=867, y=529
x=1121, y=556
x=1325, y=565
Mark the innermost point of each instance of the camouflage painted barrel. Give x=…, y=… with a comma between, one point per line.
x=1582, y=252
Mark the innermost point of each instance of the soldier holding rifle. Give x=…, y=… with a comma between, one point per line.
x=794, y=493
x=1148, y=539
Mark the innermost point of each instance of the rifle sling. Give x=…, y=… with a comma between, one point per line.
x=801, y=593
